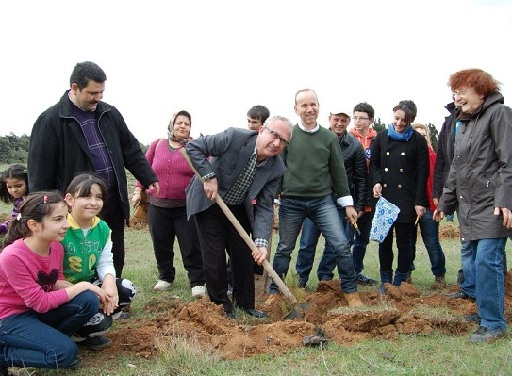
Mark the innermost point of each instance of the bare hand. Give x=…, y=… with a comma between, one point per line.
x=136, y=200
x=377, y=190
x=436, y=201
x=351, y=213
x=210, y=188
x=507, y=216
x=260, y=255
x=420, y=210
x=155, y=187
x=438, y=216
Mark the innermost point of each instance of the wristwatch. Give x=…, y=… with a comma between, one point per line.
x=209, y=176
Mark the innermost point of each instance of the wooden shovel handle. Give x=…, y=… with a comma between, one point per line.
x=229, y=214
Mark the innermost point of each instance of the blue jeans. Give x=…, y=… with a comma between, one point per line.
x=430, y=235
x=306, y=256
x=485, y=269
x=42, y=340
x=292, y=213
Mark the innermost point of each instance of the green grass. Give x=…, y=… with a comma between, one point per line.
x=432, y=354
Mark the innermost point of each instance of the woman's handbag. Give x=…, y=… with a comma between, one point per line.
x=385, y=215
x=141, y=210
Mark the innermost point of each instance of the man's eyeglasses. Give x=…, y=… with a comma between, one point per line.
x=356, y=118
x=276, y=136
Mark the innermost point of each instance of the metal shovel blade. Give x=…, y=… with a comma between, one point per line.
x=298, y=311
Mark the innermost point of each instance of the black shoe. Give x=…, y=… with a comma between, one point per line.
x=95, y=343
x=365, y=281
x=255, y=313
x=230, y=315
x=472, y=318
x=98, y=325
x=457, y=295
x=483, y=334
x=460, y=277
x=121, y=315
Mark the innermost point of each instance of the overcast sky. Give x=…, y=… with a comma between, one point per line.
x=216, y=59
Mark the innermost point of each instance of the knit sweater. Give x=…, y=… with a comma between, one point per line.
x=313, y=160
x=27, y=279
x=88, y=252
x=173, y=172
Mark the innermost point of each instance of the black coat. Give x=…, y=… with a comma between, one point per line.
x=402, y=168
x=58, y=150
x=444, y=151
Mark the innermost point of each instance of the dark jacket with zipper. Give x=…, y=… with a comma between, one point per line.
x=480, y=177
x=354, y=159
x=445, y=145
x=58, y=150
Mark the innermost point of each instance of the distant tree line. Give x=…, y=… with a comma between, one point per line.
x=14, y=149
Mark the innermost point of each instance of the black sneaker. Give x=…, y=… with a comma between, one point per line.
x=95, y=343
x=483, y=334
x=472, y=318
x=98, y=325
x=365, y=281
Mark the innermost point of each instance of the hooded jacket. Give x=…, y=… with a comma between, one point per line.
x=480, y=177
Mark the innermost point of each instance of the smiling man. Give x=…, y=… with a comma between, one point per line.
x=244, y=166
x=314, y=165
x=82, y=133
x=355, y=166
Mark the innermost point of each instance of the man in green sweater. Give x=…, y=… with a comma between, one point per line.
x=314, y=169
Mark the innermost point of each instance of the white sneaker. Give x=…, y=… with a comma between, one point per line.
x=162, y=285
x=198, y=292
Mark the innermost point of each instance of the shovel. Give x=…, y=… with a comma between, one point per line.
x=297, y=308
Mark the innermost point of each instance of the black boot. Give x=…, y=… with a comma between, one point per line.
x=399, y=278
x=386, y=276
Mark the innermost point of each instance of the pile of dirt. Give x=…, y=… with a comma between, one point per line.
x=401, y=310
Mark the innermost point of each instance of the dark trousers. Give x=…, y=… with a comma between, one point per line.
x=404, y=245
x=214, y=230
x=112, y=213
x=166, y=224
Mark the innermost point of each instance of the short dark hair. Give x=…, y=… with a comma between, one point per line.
x=258, y=112
x=85, y=72
x=365, y=107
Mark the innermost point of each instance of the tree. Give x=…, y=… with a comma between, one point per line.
x=433, y=135
x=378, y=125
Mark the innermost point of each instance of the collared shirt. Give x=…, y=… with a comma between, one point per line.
x=316, y=128
x=236, y=194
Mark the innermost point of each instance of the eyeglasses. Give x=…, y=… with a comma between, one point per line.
x=276, y=136
x=356, y=118
x=459, y=93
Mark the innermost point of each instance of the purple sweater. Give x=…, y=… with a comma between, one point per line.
x=15, y=211
x=27, y=279
x=171, y=168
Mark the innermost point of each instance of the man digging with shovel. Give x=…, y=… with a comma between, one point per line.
x=244, y=166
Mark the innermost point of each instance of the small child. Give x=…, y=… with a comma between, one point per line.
x=88, y=255
x=39, y=309
x=13, y=188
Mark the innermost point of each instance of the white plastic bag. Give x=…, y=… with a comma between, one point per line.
x=385, y=215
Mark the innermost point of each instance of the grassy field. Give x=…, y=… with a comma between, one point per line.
x=432, y=354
